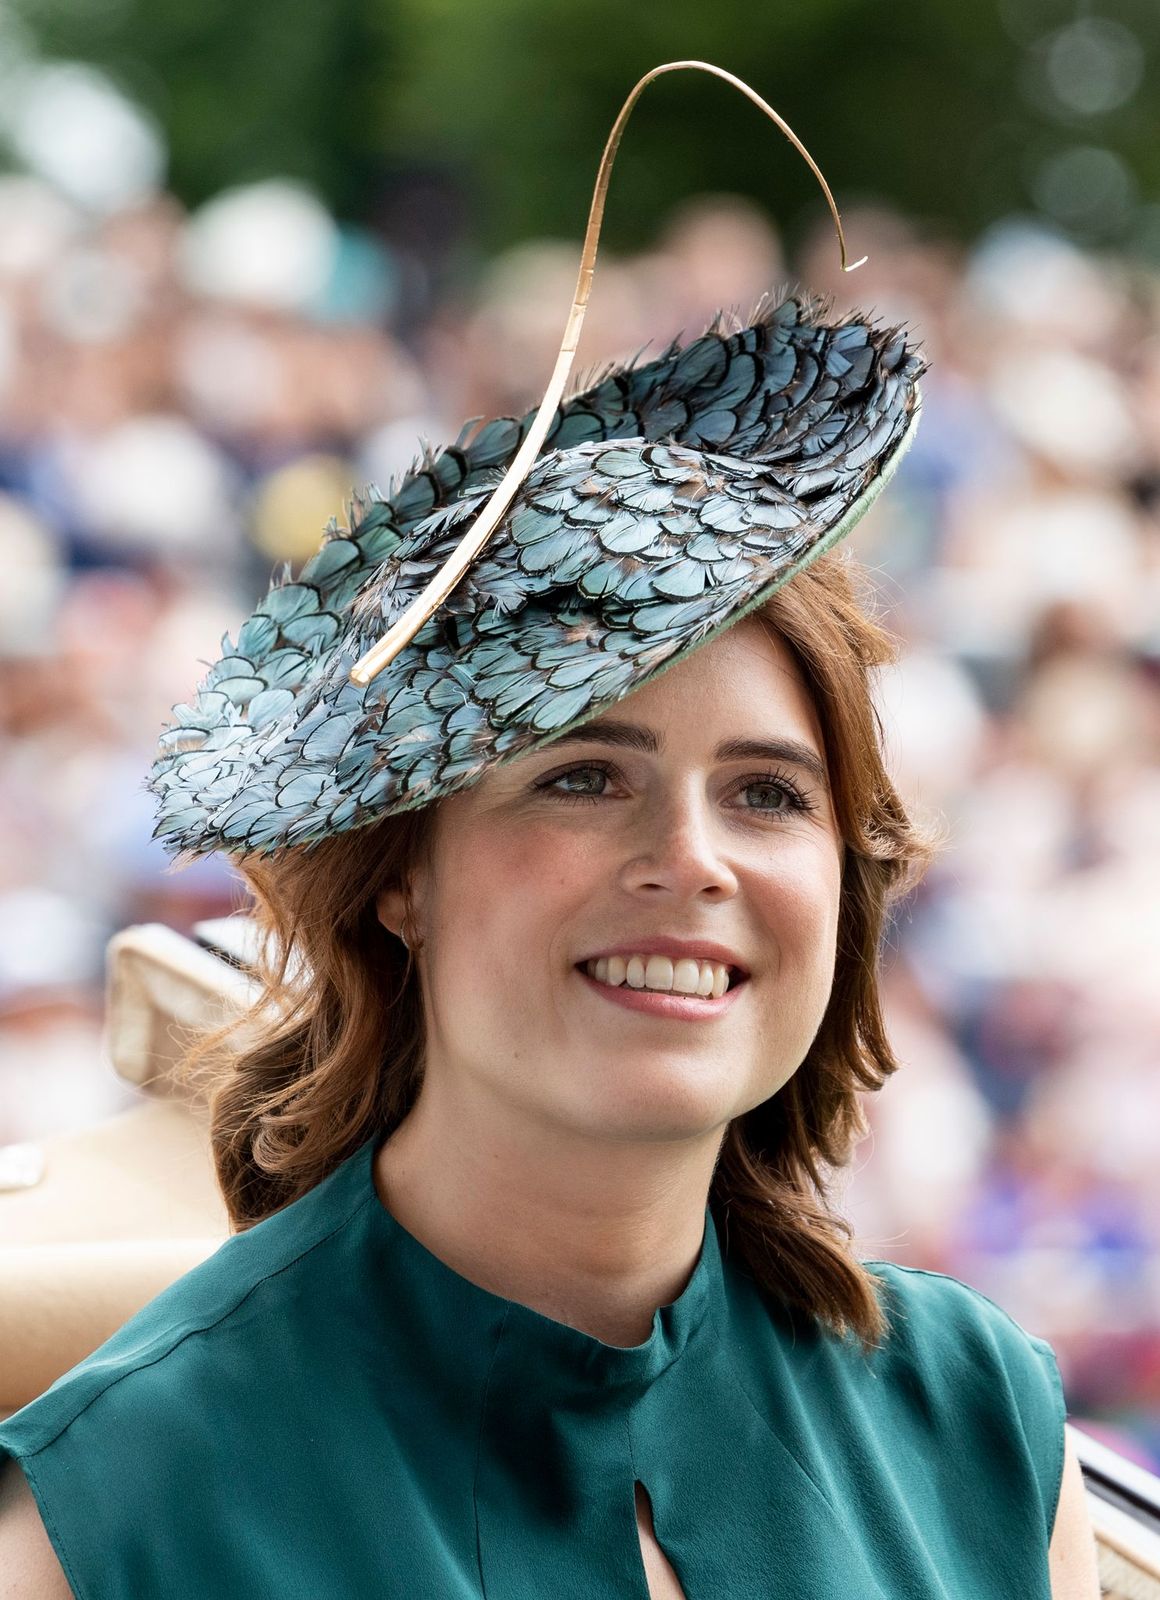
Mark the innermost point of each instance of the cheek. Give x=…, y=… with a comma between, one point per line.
x=503, y=894
x=798, y=903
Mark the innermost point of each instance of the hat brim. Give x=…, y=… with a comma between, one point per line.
x=671, y=500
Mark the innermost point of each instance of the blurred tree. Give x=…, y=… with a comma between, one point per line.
x=267, y=88
x=957, y=113
x=946, y=109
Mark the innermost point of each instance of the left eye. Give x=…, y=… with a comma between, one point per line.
x=598, y=773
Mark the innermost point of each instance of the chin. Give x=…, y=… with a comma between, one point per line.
x=654, y=1097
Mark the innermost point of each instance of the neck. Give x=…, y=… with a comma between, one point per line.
x=589, y=1232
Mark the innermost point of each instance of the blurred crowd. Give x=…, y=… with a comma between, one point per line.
x=186, y=399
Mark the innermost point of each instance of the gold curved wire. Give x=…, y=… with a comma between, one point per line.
x=380, y=655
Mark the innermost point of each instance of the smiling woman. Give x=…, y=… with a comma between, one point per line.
x=627, y=839
x=574, y=908
x=542, y=1257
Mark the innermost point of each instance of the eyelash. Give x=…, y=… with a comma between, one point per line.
x=795, y=799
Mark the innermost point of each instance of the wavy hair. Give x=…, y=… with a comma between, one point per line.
x=332, y=1052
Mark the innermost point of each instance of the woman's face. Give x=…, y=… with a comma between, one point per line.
x=592, y=845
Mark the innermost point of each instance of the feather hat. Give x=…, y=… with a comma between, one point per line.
x=531, y=576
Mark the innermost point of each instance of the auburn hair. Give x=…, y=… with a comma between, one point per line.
x=331, y=1053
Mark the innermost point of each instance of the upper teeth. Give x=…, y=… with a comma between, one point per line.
x=658, y=972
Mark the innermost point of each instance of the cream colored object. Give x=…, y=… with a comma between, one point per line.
x=1124, y=1502
x=61, y=1301
x=127, y=1206
x=162, y=991
x=124, y=1209
x=144, y=1174
x=1129, y=1553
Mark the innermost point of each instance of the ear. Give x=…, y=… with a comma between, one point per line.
x=390, y=908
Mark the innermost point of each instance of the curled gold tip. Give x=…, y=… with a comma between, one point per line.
x=401, y=632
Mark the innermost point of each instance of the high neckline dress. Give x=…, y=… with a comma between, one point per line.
x=326, y=1409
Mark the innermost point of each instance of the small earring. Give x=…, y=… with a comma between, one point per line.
x=403, y=936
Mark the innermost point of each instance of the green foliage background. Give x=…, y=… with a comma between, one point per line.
x=936, y=105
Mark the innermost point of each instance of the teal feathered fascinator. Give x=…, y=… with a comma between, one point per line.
x=515, y=585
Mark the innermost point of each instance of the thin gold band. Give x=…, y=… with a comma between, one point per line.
x=404, y=629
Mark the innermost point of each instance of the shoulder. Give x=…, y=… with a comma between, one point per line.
x=136, y=1428
x=966, y=1360
x=234, y=1300
x=932, y=1313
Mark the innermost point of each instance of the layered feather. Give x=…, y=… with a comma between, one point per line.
x=670, y=498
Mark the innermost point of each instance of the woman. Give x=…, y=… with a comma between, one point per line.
x=574, y=905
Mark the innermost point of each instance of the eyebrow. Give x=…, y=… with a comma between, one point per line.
x=635, y=737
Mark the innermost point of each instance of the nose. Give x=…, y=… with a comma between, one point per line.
x=678, y=848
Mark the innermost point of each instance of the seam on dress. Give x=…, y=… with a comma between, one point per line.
x=1056, y=1381
x=479, y=1451
x=947, y=1277
x=58, y=1544
x=208, y=1327
x=769, y=1428
x=720, y=1326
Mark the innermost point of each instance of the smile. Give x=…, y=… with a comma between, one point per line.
x=661, y=1003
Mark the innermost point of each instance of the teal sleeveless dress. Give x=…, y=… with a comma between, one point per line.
x=324, y=1410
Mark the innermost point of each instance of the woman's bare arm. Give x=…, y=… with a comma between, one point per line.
x=1072, y=1558
x=29, y=1568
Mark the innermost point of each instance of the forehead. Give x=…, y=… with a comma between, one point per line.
x=747, y=672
